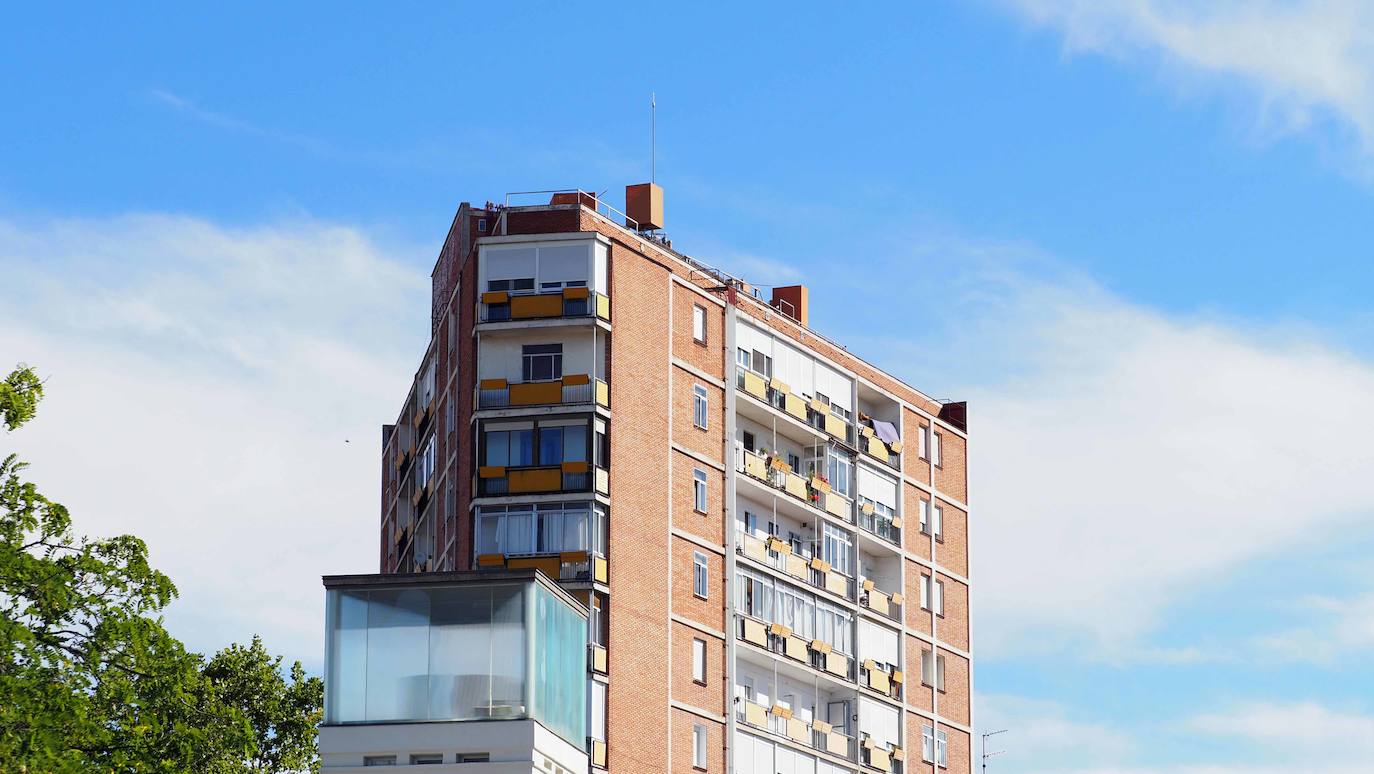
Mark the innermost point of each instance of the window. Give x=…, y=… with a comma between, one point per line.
x=523, y=284
x=932, y=598
x=450, y=421
x=699, y=746
x=379, y=760
x=835, y=548
x=699, y=661
x=700, y=584
x=541, y=362
x=597, y=728
x=698, y=324
x=923, y=442
x=423, y=758
x=933, y=670
x=424, y=467
x=935, y=450
x=473, y=758
x=839, y=469
x=481, y=224
x=545, y=528
x=452, y=330
x=937, y=522
x=523, y=444
x=699, y=490
x=934, y=746
x=699, y=406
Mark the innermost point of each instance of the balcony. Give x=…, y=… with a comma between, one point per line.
x=881, y=758
x=881, y=678
x=567, y=477
x=778, y=474
x=779, y=639
x=574, y=389
x=778, y=554
x=810, y=411
x=881, y=602
x=502, y=306
x=888, y=453
x=779, y=720
x=565, y=566
x=789, y=703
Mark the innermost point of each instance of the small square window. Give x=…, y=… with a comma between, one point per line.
x=481, y=224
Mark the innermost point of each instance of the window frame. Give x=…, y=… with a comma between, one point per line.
x=549, y=356
x=700, y=497
x=701, y=403
x=700, y=740
x=699, y=326
x=701, y=575
x=698, y=661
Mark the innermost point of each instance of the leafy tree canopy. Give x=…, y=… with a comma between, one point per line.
x=91, y=681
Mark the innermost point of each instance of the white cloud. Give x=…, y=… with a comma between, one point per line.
x=1345, y=627
x=1122, y=459
x=1039, y=730
x=202, y=382
x=1304, y=62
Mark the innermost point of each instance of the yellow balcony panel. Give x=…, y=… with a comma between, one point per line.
x=819, y=484
x=779, y=630
x=755, y=549
x=796, y=486
x=897, y=522
x=601, y=571
x=818, y=406
x=879, y=759
x=602, y=479
x=898, y=677
x=835, y=583
x=778, y=463
x=835, y=425
x=780, y=711
x=543, y=305
x=896, y=447
x=755, y=715
x=598, y=753
x=898, y=754
x=897, y=599
x=820, y=564
x=603, y=394
x=571, y=380
x=753, y=384
x=877, y=449
x=576, y=293
x=491, y=560
x=779, y=386
x=822, y=726
x=837, y=664
x=795, y=647
x=549, y=565
x=867, y=584
x=495, y=297
x=755, y=632
x=798, y=731
x=536, y=393
x=491, y=471
x=492, y=384
x=796, y=566
x=820, y=646
x=867, y=508
x=877, y=680
x=530, y=480
x=603, y=307
x=865, y=430
x=598, y=660
x=877, y=602
x=837, y=506
x=795, y=406
x=754, y=466
x=837, y=744
x=780, y=546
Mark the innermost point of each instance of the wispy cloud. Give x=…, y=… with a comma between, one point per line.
x=1305, y=64
x=219, y=392
x=193, y=110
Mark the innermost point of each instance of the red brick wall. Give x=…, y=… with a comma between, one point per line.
x=711, y=696
x=708, y=357
x=952, y=554
x=710, y=611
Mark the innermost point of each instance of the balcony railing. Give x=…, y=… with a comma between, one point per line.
x=888, y=528
x=544, y=479
x=571, y=389
x=882, y=758
x=779, y=720
x=813, y=411
x=564, y=566
x=875, y=447
x=776, y=638
x=873, y=598
x=779, y=555
x=570, y=302
x=775, y=472
x=879, y=678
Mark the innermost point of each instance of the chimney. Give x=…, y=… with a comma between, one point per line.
x=574, y=197
x=644, y=206
x=791, y=301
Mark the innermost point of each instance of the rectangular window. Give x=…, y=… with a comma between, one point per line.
x=923, y=442
x=935, y=450
x=699, y=661
x=699, y=490
x=699, y=746
x=699, y=406
x=927, y=744
x=541, y=362
x=698, y=324
x=937, y=522
x=452, y=330
x=451, y=421
x=379, y=760
x=933, y=670
x=700, y=585
x=835, y=548
x=420, y=759
x=932, y=597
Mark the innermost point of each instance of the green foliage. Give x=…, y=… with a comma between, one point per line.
x=19, y=396
x=91, y=681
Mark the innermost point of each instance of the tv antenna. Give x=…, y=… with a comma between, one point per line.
x=992, y=754
x=653, y=138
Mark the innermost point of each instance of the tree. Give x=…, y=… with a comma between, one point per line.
x=90, y=680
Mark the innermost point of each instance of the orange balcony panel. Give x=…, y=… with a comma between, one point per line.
x=535, y=480
x=549, y=565
x=495, y=297
x=544, y=305
x=488, y=561
x=575, y=379
x=576, y=293
x=536, y=393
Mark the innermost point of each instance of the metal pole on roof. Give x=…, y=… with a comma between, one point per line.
x=653, y=138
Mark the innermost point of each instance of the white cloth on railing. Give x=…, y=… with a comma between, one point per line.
x=886, y=431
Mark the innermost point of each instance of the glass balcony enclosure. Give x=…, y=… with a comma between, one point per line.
x=544, y=528
x=458, y=647
x=522, y=278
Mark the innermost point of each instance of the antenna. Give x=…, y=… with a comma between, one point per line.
x=987, y=754
x=653, y=138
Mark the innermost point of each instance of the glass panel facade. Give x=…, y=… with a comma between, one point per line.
x=461, y=652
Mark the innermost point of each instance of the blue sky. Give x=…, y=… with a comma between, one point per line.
x=1136, y=236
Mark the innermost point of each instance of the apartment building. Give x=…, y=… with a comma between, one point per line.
x=767, y=534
